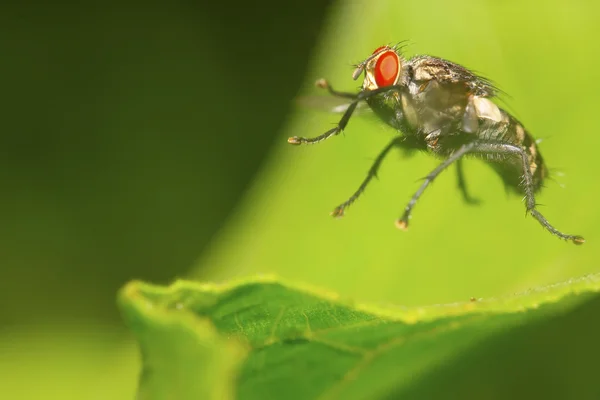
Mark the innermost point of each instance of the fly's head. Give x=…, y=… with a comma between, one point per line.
x=383, y=68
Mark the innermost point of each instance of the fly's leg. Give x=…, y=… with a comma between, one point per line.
x=345, y=118
x=504, y=148
x=339, y=210
x=496, y=148
x=332, y=132
x=462, y=184
x=323, y=84
x=402, y=222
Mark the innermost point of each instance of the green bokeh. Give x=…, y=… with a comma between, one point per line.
x=130, y=134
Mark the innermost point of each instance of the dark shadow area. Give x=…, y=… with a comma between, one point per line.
x=129, y=133
x=530, y=362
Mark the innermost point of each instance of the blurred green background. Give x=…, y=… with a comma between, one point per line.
x=140, y=142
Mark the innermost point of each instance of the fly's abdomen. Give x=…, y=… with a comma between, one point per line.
x=495, y=124
x=537, y=166
x=511, y=170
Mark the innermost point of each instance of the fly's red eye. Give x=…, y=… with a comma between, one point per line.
x=386, y=69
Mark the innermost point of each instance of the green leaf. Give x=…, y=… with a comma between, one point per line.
x=306, y=344
x=183, y=356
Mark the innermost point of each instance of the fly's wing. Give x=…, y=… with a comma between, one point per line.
x=427, y=68
x=332, y=104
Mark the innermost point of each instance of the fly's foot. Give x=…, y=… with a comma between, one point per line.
x=578, y=240
x=338, y=212
x=322, y=83
x=302, y=140
x=402, y=224
x=295, y=140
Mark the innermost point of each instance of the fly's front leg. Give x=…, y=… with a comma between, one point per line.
x=462, y=184
x=339, y=210
x=347, y=115
x=402, y=222
x=323, y=84
x=332, y=132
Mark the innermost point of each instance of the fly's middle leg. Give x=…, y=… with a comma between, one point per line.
x=402, y=222
x=339, y=210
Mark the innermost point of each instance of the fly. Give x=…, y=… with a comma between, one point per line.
x=445, y=109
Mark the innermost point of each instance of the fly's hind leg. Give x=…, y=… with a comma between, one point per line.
x=491, y=148
x=504, y=148
x=462, y=184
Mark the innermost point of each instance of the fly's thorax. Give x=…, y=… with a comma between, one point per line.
x=432, y=106
x=446, y=97
x=480, y=113
x=410, y=110
x=388, y=107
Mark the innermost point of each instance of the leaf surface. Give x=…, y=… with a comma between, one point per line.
x=263, y=338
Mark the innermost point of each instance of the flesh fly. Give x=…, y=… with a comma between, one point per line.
x=443, y=108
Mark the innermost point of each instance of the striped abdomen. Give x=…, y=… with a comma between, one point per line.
x=509, y=130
